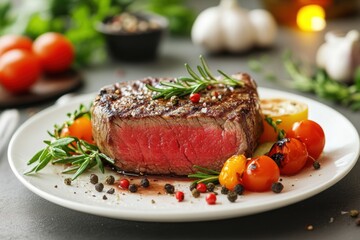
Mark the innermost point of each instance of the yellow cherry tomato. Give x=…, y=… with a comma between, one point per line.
x=232, y=171
x=285, y=110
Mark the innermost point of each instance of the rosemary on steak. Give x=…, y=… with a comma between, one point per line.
x=183, y=86
x=77, y=154
x=204, y=175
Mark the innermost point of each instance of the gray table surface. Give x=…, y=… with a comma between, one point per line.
x=24, y=215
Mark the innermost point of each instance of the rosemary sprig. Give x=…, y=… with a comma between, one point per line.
x=204, y=175
x=78, y=154
x=323, y=86
x=274, y=124
x=195, y=83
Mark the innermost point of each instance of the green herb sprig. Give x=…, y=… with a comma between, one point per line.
x=274, y=124
x=204, y=175
x=322, y=85
x=195, y=83
x=80, y=155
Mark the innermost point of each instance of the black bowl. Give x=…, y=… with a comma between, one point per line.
x=136, y=46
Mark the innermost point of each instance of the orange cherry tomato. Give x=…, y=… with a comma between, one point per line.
x=80, y=128
x=55, y=52
x=232, y=171
x=290, y=155
x=260, y=174
x=19, y=70
x=312, y=135
x=285, y=110
x=10, y=42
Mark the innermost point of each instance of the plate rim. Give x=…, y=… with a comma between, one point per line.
x=161, y=216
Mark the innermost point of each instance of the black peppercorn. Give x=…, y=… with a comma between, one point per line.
x=94, y=178
x=239, y=189
x=316, y=165
x=210, y=187
x=67, y=181
x=169, y=188
x=145, y=182
x=133, y=188
x=357, y=221
x=224, y=190
x=192, y=186
x=111, y=191
x=105, y=197
x=99, y=187
x=195, y=193
x=110, y=180
x=232, y=196
x=277, y=187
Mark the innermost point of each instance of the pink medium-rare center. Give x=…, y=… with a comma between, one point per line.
x=171, y=136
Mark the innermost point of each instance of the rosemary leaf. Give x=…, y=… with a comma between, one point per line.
x=81, y=169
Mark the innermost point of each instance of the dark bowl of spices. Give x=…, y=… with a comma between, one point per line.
x=133, y=36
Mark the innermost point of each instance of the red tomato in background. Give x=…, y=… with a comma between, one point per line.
x=290, y=155
x=55, y=51
x=311, y=134
x=260, y=174
x=19, y=70
x=10, y=42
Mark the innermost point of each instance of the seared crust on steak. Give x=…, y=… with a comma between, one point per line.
x=230, y=116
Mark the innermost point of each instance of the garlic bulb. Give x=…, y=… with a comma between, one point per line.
x=228, y=27
x=340, y=55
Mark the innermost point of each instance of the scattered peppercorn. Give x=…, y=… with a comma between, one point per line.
x=239, y=189
x=145, y=182
x=354, y=213
x=211, y=198
x=133, y=188
x=124, y=183
x=195, y=193
x=169, y=188
x=195, y=97
x=110, y=180
x=105, y=197
x=357, y=221
x=232, y=196
x=111, y=191
x=94, y=178
x=316, y=165
x=224, y=190
x=210, y=187
x=277, y=187
x=99, y=187
x=67, y=181
x=201, y=187
x=192, y=186
x=179, y=196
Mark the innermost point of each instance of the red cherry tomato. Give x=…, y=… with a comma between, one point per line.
x=55, y=52
x=80, y=128
x=10, y=42
x=290, y=155
x=260, y=174
x=310, y=133
x=19, y=70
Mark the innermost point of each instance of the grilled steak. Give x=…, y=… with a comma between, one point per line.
x=170, y=136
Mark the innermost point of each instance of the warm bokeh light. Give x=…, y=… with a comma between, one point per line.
x=311, y=18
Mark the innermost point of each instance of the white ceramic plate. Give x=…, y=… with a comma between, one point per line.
x=340, y=155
